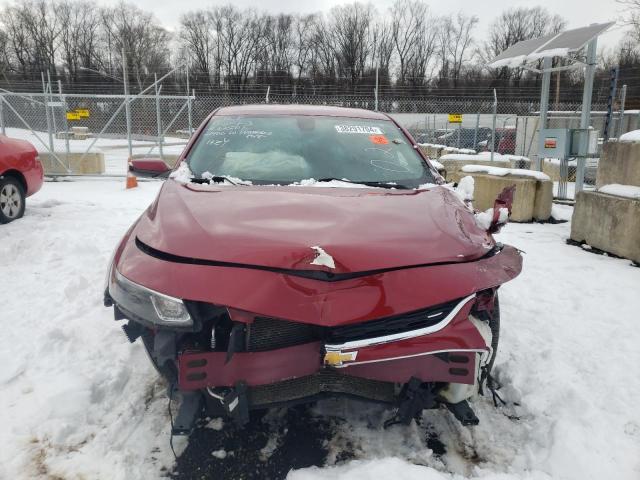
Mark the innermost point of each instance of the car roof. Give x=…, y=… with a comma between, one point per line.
x=311, y=110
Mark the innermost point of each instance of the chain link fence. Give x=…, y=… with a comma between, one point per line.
x=90, y=134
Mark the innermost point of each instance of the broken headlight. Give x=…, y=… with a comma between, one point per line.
x=146, y=304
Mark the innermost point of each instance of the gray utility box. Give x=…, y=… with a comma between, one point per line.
x=565, y=142
x=555, y=142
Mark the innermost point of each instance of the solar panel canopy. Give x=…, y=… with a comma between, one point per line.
x=554, y=45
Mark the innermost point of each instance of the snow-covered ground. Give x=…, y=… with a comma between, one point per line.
x=78, y=401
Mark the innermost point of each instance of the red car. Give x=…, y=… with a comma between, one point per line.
x=297, y=252
x=21, y=175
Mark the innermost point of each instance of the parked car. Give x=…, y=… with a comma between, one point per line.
x=297, y=252
x=21, y=175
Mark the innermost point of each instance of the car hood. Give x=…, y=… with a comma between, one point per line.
x=339, y=230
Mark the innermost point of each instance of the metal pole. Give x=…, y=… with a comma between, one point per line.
x=544, y=108
x=46, y=111
x=158, y=118
x=189, y=104
x=50, y=89
x=613, y=74
x=459, y=130
x=475, y=133
x=127, y=108
x=376, y=90
x=63, y=100
x=493, y=128
x=623, y=99
x=266, y=99
x=2, y=127
x=585, y=117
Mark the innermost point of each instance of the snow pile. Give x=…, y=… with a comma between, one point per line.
x=501, y=172
x=449, y=149
x=465, y=188
x=633, y=136
x=228, y=179
x=484, y=219
x=437, y=165
x=627, y=191
x=76, y=399
x=556, y=161
x=482, y=157
x=182, y=174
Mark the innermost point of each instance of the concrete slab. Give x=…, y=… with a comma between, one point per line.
x=607, y=222
x=92, y=163
x=619, y=163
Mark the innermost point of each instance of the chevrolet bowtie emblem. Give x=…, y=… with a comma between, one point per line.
x=336, y=358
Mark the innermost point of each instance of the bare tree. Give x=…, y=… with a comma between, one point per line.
x=197, y=34
x=455, y=43
x=408, y=19
x=145, y=42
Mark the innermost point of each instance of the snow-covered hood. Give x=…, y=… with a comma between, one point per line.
x=339, y=230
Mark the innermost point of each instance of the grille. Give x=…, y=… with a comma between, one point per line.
x=325, y=381
x=270, y=334
x=390, y=325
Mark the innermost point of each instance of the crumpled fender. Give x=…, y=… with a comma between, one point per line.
x=314, y=301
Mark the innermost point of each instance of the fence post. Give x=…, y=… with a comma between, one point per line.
x=189, y=103
x=127, y=108
x=623, y=99
x=46, y=112
x=63, y=100
x=493, y=128
x=158, y=117
x=50, y=89
x=2, y=127
x=475, y=133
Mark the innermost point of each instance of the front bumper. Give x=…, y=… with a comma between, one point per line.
x=447, y=354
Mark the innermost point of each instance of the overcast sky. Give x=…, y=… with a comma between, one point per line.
x=577, y=12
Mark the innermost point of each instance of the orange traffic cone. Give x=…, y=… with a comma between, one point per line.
x=132, y=181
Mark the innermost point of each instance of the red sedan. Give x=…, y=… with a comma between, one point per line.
x=21, y=175
x=297, y=252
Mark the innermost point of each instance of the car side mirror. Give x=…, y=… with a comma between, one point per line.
x=502, y=209
x=148, y=167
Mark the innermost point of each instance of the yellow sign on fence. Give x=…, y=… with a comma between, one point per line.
x=455, y=118
x=73, y=116
x=82, y=112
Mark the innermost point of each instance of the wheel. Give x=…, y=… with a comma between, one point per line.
x=11, y=199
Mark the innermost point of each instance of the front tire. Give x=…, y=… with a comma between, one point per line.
x=12, y=199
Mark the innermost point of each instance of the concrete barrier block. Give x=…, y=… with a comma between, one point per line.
x=619, y=163
x=64, y=135
x=76, y=130
x=454, y=171
x=552, y=168
x=543, y=200
x=488, y=187
x=607, y=222
x=92, y=163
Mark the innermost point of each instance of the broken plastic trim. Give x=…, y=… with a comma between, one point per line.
x=312, y=274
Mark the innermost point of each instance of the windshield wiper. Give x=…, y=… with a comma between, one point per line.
x=216, y=179
x=367, y=183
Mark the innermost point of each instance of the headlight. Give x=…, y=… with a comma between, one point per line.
x=147, y=304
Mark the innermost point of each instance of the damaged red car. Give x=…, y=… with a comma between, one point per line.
x=297, y=252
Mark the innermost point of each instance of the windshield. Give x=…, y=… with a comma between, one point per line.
x=289, y=149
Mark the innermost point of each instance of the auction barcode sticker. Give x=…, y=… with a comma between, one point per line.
x=358, y=129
